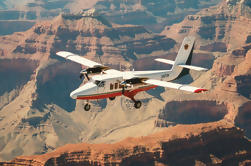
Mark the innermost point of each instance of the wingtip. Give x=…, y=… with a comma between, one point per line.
x=59, y=53
x=205, y=69
x=64, y=53
x=158, y=59
x=200, y=90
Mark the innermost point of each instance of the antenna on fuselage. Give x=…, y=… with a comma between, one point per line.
x=100, y=59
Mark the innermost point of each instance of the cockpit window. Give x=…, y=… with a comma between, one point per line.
x=97, y=82
x=100, y=83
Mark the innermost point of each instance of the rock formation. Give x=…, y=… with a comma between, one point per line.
x=223, y=26
x=211, y=144
x=146, y=13
x=37, y=115
x=34, y=97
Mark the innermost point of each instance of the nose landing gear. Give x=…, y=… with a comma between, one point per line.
x=87, y=107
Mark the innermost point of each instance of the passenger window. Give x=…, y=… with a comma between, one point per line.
x=111, y=86
x=116, y=85
x=97, y=82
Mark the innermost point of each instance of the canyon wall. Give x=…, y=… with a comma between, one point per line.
x=38, y=116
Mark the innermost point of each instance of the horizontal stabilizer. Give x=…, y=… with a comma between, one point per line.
x=165, y=61
x=175, y=86
x=184, y=66
x=193, y=67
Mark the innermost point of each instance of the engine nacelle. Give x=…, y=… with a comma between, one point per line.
x=92, y=71
x=133, y=81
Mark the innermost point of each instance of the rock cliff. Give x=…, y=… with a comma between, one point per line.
x=35, y=84
x=219, y=28
x=37, y=115
x=212, y=144
x=146, y=13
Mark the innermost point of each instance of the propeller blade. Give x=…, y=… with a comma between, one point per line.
x=86, y=75
x=81, y=76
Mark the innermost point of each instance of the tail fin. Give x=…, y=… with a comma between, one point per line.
x=182, y=63
x=184, y=57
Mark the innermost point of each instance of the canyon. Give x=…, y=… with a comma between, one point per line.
x=179, y=145
x=38, y=117
x=26, y=13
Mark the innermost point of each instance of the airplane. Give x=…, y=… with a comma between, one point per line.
x=105, y=82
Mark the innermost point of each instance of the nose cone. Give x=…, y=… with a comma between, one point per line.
x=87, y=89
x=74, y=94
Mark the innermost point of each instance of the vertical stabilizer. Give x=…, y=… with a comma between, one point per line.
x=184, y=57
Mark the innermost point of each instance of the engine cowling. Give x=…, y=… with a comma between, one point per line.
x=92, y=71
x=130, y=82
x=133, y=81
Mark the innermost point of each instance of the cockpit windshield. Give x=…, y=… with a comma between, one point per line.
x=99, y=83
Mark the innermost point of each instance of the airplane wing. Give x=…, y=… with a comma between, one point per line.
x=175, y=86
x=86, y=62
x=78, y=59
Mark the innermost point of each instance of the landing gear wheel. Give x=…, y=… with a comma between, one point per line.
x=111, y=98
x=137, y=104
x=87, y=107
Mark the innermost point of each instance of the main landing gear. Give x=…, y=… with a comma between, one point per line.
x=137, y=104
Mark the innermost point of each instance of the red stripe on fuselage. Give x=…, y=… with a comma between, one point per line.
x=108, y=95
x=100, y=96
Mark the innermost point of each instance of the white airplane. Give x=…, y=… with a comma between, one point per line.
x=104, y=82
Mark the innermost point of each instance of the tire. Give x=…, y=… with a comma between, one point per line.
x=137, y=104
x=111, y=98
x=87, y=107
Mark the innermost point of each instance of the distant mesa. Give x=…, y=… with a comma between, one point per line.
x=85, y=13
x=92, y=13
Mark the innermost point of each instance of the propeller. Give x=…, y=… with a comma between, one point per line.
x=83, y=74
x=92, y=71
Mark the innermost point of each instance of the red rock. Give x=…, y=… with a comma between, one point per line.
x=162, y=148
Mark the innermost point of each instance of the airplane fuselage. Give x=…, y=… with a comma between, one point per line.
x=104, y=82
x=109, y=85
